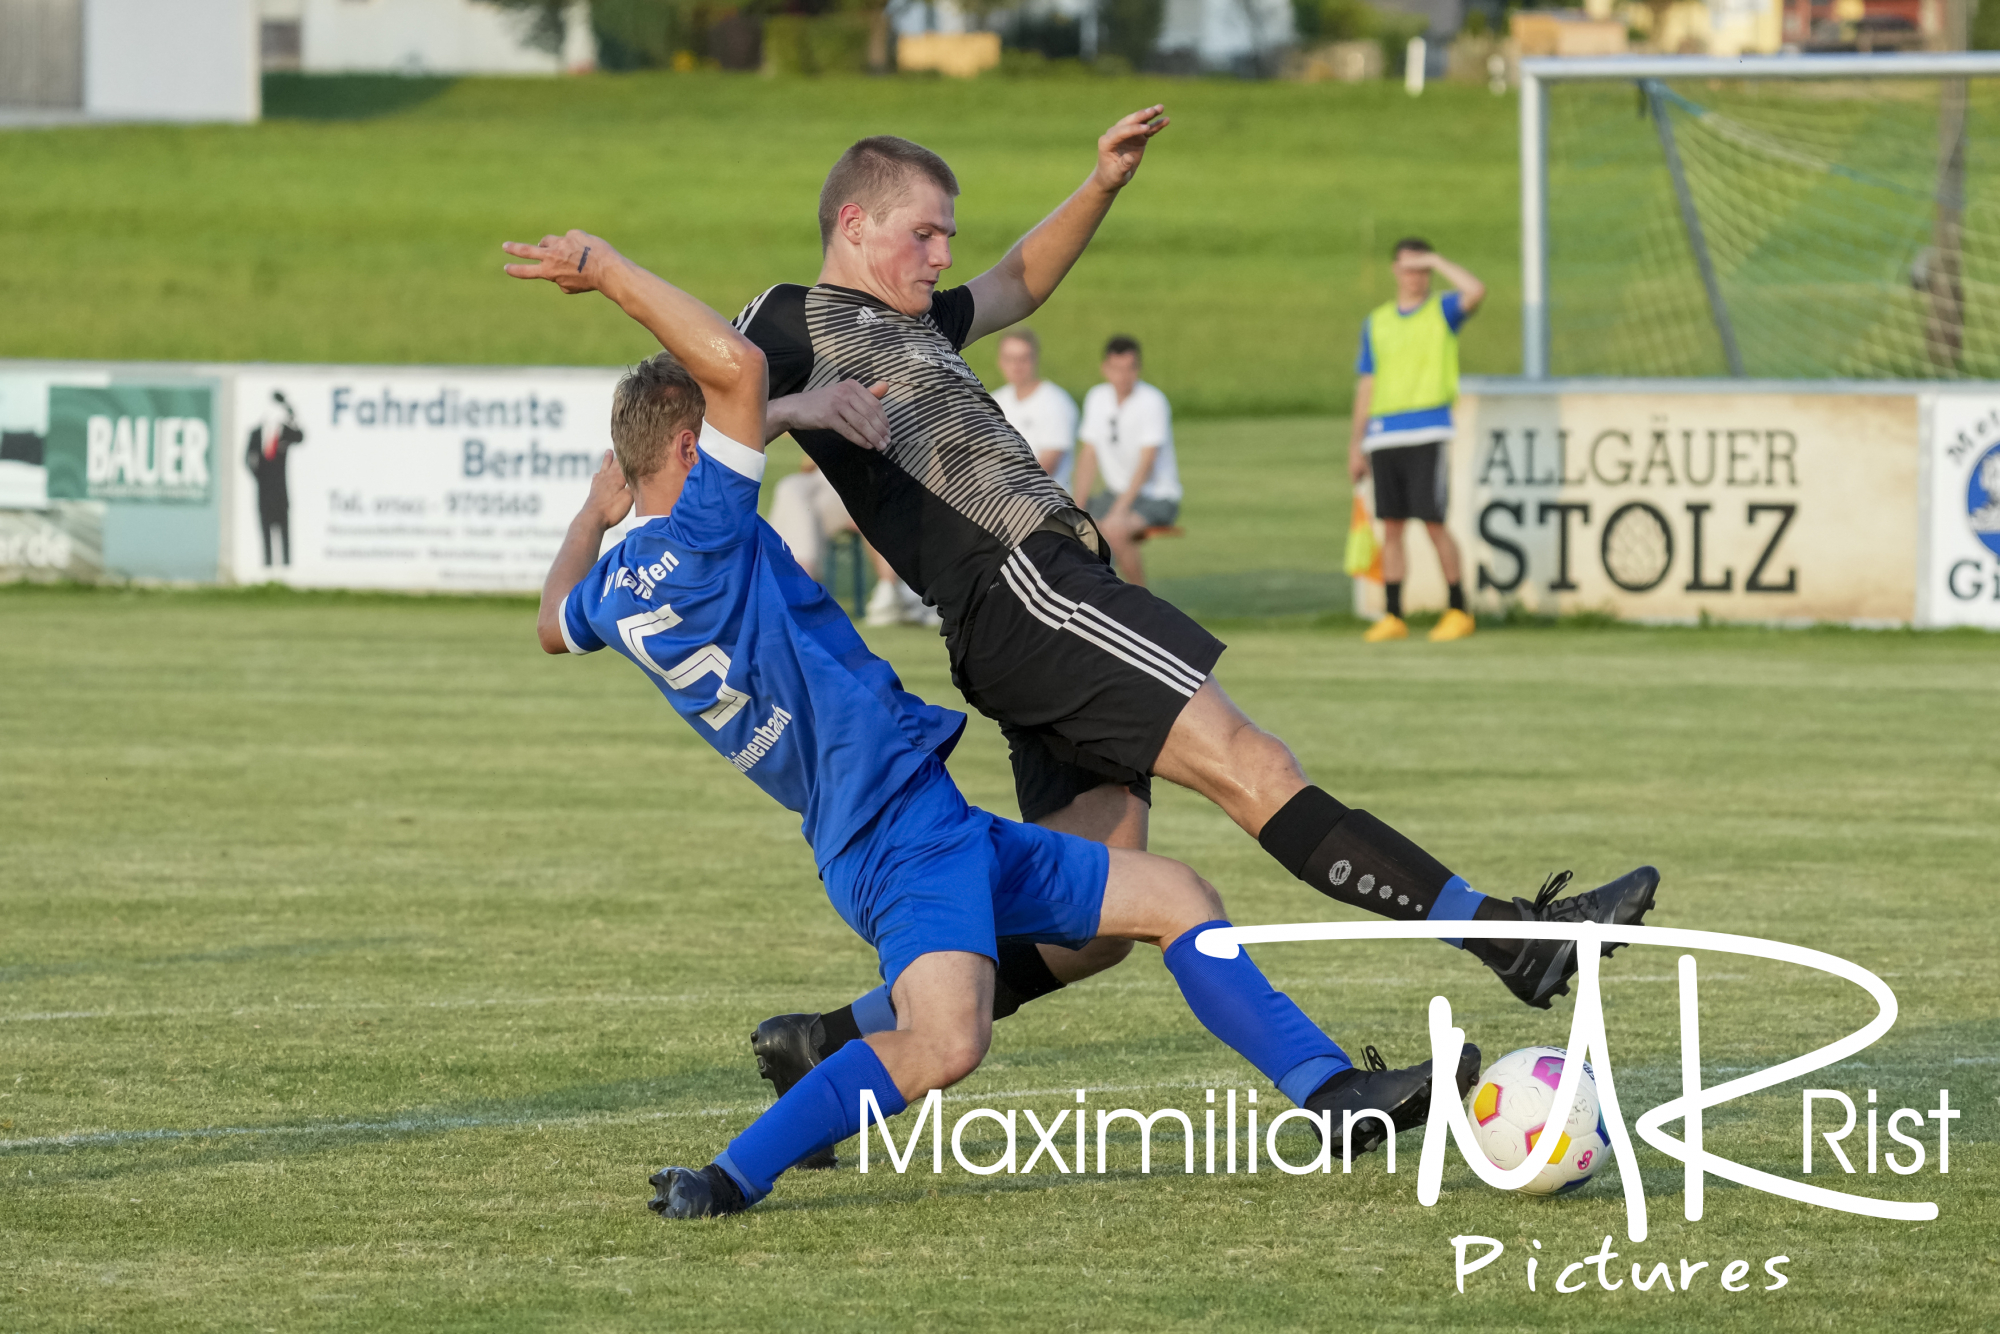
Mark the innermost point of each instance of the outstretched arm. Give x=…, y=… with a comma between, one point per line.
x=1016, y=287
x=728, y=367
x=604, y=509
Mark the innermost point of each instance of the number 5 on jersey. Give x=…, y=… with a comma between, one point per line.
x=702, y=662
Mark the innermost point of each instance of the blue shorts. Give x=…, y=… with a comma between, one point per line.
x=931, y=873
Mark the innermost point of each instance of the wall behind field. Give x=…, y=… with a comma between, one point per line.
x=361, y=222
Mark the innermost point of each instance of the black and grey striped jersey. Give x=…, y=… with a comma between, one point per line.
x=958, y=488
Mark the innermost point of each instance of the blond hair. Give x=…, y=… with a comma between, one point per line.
x=655, y=402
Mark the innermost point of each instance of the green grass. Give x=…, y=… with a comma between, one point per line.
x=427, y=948
x=362, y=222
x=357, y=962
x=1265, y=519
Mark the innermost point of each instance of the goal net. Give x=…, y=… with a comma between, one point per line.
x=1781, y=228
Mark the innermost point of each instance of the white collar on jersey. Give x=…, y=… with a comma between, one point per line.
x=738, y=458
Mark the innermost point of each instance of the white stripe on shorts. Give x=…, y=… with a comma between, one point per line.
x=1093, y=619
x=1093, y=626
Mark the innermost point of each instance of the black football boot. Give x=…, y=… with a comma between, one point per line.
x=1404, y=1094
x=1540, y=970
x=684, y=1192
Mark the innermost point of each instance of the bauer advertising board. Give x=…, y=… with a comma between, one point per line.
x=426, y=480
x=1672, y=505
x=1959, y=583
x=108, y=472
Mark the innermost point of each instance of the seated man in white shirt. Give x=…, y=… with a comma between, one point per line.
x=1128, y=436
x=808, y=513
x=1039, y=409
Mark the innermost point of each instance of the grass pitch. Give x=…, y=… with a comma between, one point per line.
x=360, y=962
x=362, y=221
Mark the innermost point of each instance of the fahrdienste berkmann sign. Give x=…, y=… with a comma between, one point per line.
x=1674, y=503
x=441, y=480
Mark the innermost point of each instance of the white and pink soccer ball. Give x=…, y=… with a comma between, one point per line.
x=1513, y=1106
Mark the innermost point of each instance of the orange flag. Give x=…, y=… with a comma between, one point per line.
x=1364, y=553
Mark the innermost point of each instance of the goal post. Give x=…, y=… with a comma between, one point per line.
x=1761, y=344
x=1776, y=217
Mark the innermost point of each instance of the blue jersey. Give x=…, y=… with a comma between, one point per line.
x=755, y=655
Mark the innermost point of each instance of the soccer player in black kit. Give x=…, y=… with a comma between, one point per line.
x=1098, y=685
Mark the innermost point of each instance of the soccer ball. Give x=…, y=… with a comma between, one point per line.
x=1514, y=1102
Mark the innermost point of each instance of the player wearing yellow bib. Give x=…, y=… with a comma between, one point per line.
x=1408, y=382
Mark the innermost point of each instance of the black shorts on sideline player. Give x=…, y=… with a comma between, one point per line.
x=1409, y=481
x=1087, y=672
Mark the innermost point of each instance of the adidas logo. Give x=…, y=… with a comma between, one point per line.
x=867, y=315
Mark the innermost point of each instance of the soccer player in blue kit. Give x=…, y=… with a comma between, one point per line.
x=754, y=655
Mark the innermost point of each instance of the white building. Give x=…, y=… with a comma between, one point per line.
x=416, y=37
x=191, y=60
x=202, y=60
x=1239, y=35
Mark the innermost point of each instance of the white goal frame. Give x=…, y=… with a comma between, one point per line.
x=1537, y=72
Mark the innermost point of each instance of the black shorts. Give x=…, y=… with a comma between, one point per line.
x=1156, y=512
x=1409, y=481
x=1084, y=672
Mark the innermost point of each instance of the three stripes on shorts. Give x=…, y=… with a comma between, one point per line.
x=1092, y=625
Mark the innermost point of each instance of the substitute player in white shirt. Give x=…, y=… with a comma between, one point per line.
x=1041, y=410
x=1128, y=437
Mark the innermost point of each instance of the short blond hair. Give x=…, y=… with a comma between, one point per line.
x=875, y=173
x=1021, y=333
x=655, y=402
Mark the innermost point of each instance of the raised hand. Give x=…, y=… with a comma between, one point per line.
x=610, y=499
x=574, y=261
x=1119, y=151
x=846, y=406
x=1027, y=275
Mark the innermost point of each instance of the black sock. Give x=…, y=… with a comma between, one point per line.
x=1392, y=597
x=1351, y=856
x=1457, y=595
x=1499, y=953
x=1022, y=976
x=840, y=1030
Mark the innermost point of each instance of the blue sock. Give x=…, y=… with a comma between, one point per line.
x=1235, y=1001
x=873, y=1013
x=1456, y=902
x=821, y=1110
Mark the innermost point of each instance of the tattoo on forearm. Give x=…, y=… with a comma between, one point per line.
x=585, y=260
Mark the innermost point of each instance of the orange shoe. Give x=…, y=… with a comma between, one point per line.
x=1454, y=624
x=1389, y=627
